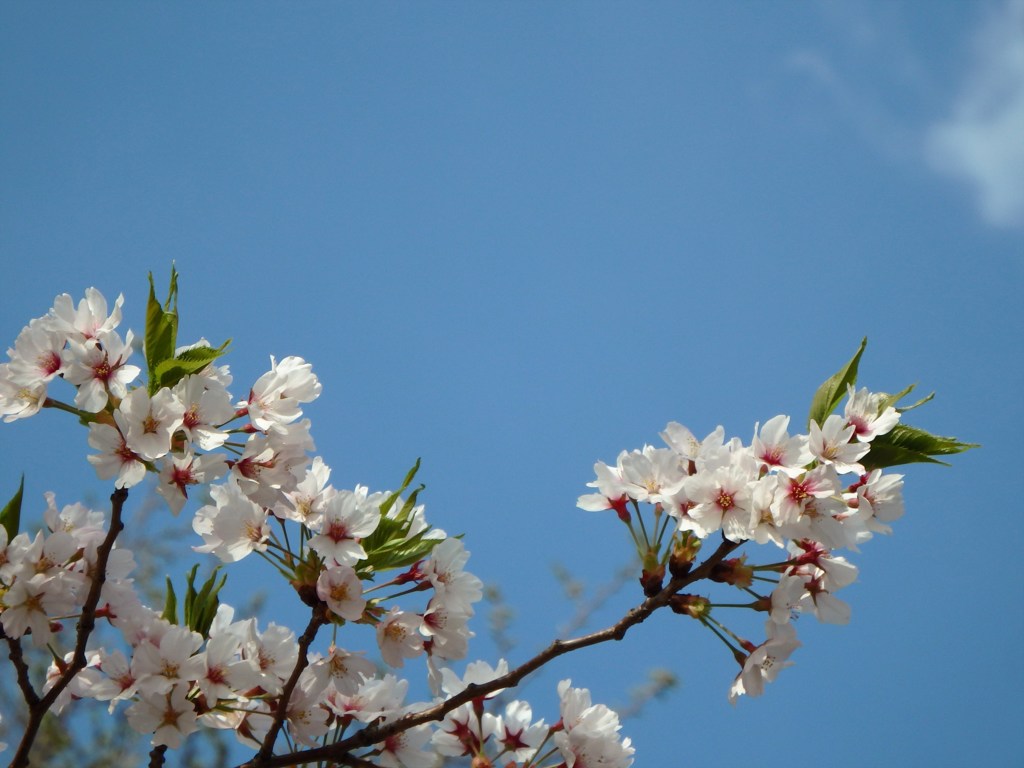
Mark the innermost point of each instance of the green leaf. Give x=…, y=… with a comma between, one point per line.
x=204, y=607
x=10, y=517
x=833, y=389
x=399, y=553
x=908, y=445
x=190, y=593
x=189, y=361
x=390, y=545
x=389, y=502
x=161, y=329
x=200, y=607
x=170, y=604
x=890, y=400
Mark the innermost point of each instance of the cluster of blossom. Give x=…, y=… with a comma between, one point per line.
x=586, y=734
x=783, y=489
x=174, y=679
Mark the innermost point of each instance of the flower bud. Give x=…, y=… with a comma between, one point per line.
x=684, y=552
x=652, y=580
x=694, y=606
x=734, y=571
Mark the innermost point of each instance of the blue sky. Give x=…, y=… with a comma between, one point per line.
x=516, y=238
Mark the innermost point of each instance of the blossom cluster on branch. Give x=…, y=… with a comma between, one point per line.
x=361, y=557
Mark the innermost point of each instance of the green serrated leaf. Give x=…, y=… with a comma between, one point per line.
x=170, y=604
x=10, y=517
x=410, y=503
x=919, y=403
x=161, y=329
x=170, y=372
x=401, y=553
x=833, y=389
x=907, y=445
x=389, y=502
x=885, y=400
x=891, y=400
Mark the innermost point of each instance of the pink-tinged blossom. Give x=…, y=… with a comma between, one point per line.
x=100, y=369
x=179, y=471
x=118, y=683
x=272, y=464
x=170, y=716
x=90, y=320
x=29, y=603
x=206, y=407
x=84, y=525
x=12, y=554
x=516, y=731
x=820, y=601
x=276, y=395
x=307, y=718
x=341, y=589
x=764, y=662
x=173, y=661
x=462, y=732
x=611, y=492
x=822, y=520
x=115, y=459
x=879, y=500
x=447, y=628
x=764, y=525
x=151, y=421
x=407, y=749
x=48, y=554
x=775, y=449
x=457, y=587
x=37, y=356
x=305, y=504
x=864, y=413
x=650, y=475
x=796, y=492
x=721, y=500
x=786, y=598
x=398, y=637
x=19, y=401
x=590, y=732
x=275, y=652
x=681, y=440
x=477, y=673
x=233, y=526
x=374, y=698
x=345, y=670
x=226, y=674
x=830, y=444
x=348, y=517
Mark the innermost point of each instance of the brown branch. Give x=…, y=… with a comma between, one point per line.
x=355, y=762
x=375, y=734
x=305, y=641
x=86, y=624
x=156, y=756
x=17, y=658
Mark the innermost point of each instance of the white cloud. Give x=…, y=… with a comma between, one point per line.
x=982, y=141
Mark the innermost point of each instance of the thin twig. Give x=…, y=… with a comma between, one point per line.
x=305, y=641
x=17, y=658
x=375, y=734
x=86, y=624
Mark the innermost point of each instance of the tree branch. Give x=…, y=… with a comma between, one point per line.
x=17, y=658
x=86, y=624
x=305, y=641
